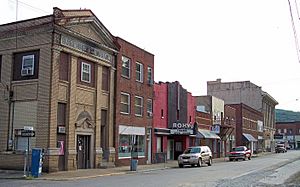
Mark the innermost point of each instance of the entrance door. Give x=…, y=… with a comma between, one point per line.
x=178, y=149
x=170, y=153
x=83, y=151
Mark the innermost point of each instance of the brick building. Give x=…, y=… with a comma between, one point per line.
x=173, y=123
x=134, y=103
x=290, y=134
x=249, y=127
x=58, y=75
x=251, y=95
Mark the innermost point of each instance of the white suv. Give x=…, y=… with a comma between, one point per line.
x=196, y=155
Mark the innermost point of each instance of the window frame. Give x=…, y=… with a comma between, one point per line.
x=139, y=74
x=128, y=104
x=25, y=57
x=128, y=68
x=150, y=75
x=84, y=71
x=141, y=107
x=105, y=84
x=149, y=112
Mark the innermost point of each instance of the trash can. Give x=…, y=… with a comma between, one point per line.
x=36, y=162
x=133, y=164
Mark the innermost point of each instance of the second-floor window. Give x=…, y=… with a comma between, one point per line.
x=149, y=76
x=125, y=67
x=105, y=78
x=149, y=108
x=139, y=72
x=125, y=103
x=85, y=72
x=138, y=104
x=27, y=65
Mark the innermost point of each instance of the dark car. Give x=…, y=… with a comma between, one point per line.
x=280, y=148
x=240, y=152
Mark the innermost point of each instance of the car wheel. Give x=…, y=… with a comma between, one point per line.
x=199, y=162
x=249, y=158
x=230, y=159
x=209, y=162
x=180, y=165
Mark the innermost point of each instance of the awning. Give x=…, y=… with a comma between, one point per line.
x=249, y=137
x=207, y=134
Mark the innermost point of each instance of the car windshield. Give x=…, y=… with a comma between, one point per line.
x=238, y=149
x=192, y=150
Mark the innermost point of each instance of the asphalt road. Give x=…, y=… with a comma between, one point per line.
x=270, y=170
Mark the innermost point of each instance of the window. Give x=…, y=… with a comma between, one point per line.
x=139, y=72
x=149, y=107
x=130, y=144
x=299, y=131
x=61, y=114
x=279, y=130
x=125, y=67
x=103, y=129
x=125, y=103
x=85, y=72
x=64, y=66
x=105, y=78
x=159, y=144
x=138, y=104
x=149, y=76
x=27, y=65
x=284, y=130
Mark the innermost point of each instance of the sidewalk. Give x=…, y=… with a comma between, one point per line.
x=92, y=173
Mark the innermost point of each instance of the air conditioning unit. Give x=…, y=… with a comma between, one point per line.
x=149, y=114
x=27, y=72
x=61, y=129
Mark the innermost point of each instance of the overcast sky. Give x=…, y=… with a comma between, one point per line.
x=195, y=41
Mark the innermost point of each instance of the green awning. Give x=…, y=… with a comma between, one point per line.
x=207, y=134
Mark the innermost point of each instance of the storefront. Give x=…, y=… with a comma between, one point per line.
x=132, y=142
x=250, y=142
x=210, y=139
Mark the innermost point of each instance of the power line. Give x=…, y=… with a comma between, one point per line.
x=35, y=9
x=294, y=30
x=296, y=5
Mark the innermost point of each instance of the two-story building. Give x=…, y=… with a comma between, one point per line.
x=58, y=73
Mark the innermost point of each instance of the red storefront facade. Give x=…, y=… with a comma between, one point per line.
x=173, y=121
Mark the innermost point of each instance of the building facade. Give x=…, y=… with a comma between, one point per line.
x=174, y=119
x=288, y=133
x=251, y=95
x=249, y=128
x=134, y=104
x=59, y=77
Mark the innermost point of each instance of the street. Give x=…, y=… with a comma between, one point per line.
x=268, y=170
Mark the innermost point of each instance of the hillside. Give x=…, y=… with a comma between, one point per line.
x=286, y=115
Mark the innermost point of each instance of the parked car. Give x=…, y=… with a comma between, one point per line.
x=240, y=152
x=280, y=148
x=196, y=155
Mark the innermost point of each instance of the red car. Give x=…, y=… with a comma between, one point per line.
x=240, y=152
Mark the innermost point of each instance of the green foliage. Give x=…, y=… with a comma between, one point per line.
x=286, y=115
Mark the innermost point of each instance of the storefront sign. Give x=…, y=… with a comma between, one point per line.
x=83, y=47
x=215, y=129
x=182, y=128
